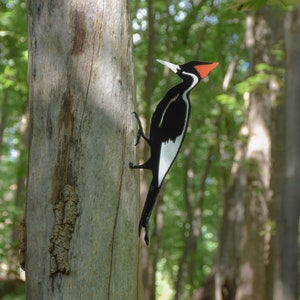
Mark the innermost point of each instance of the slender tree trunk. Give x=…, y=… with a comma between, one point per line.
x=3, y=118
x=82, y=205
x=148, y=257
x=186, y=264
x=15, y=259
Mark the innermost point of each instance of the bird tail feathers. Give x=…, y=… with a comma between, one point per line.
x=147, y=210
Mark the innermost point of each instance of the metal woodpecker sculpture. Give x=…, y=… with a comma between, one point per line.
x=168, y=127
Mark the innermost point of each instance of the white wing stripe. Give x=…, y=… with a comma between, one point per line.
x=167, y=154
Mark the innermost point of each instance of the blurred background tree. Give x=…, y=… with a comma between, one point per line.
x=225, y=218
x=13, y=138
x=226, y=222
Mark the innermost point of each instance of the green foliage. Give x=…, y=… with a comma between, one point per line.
x=183, y=31
x=13, y=103
x=206, y=31
x=260, y=80
x=12, y=290
x=252, y=5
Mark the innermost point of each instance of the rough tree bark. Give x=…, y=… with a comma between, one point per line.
x=82, y=206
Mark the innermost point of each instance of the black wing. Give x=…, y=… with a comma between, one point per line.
x=173, y=121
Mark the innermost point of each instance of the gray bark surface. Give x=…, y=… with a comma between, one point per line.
x=81, y=193
x=287, y=279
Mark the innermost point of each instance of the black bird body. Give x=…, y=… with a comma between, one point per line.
x=168, y=127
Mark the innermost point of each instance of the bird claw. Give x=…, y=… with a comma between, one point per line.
x=140, y=132
x=135, y=114
x=146, y=226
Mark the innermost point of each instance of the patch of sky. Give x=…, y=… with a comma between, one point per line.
x=185, y=5
x=245, y=65
x=211, y=19
x=11, y=140
x=180, y=16
x=136, y=38
x=141, y=13
x=172, y=10
x=233, y=39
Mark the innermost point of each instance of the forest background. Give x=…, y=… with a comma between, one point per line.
x=220, y=226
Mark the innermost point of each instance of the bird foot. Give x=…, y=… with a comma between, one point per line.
x=132, y=165
x=146, y=226
x=140, y=132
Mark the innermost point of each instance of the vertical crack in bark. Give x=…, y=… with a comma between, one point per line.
x=116, y=219
x=88, y=86
x=99, y=30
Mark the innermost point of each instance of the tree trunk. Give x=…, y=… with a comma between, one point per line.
x=243, y=261
x=254, y=269
x=82, y=207
x=288, y=207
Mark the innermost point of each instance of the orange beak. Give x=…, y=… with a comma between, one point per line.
x=204, y=70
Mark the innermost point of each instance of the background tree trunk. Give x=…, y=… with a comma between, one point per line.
x=82, y=206
x=243, y=259
x=148, y=260
x=288, y=206
x=265, y=36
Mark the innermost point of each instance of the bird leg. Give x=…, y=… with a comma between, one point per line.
x=140, y=132
x=146, y=165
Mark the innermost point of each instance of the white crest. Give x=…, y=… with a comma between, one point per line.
x=173, y=67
